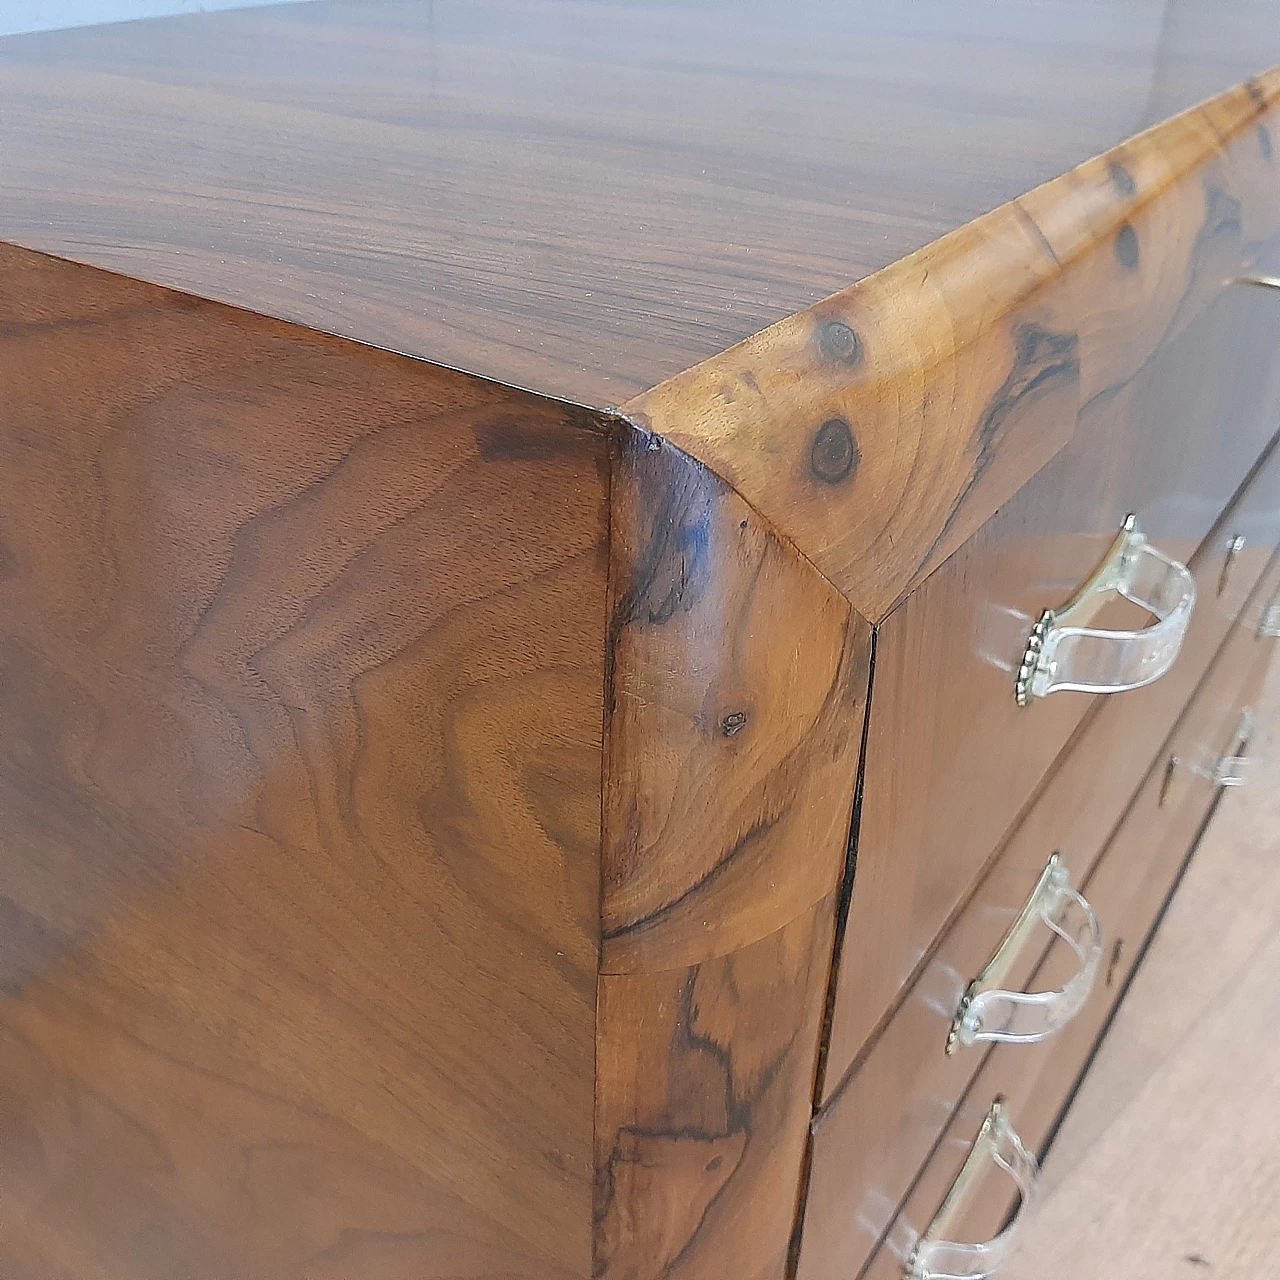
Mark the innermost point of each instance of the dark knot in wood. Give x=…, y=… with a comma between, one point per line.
x=839, y=342
x=1127, y=247
x=1122, y=180
x=835, y=452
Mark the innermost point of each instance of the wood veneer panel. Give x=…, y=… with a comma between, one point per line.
x=738, y=682
x=1170, y=421
x=583, y=198
x=1171, y=443
x=705, y=1092
x=880, y=429
x=300, y=754
x=736, y=697
x=1128, y=888
x=871, y=1138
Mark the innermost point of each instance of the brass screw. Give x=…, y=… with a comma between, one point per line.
x=1234, y=548
x=1117, y=954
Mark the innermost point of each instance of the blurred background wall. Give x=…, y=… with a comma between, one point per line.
x=46, y=15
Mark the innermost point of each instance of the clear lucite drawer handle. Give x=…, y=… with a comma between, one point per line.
x=1269, y=622
x=1065, y=654
x=1231, y=770
x=937, y=1258
x=989, y=1013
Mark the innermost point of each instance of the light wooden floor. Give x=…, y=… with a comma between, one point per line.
x=1168, y=1164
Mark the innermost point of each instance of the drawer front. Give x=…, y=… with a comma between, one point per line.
x=872, y=1136
x=1128, y=889
x=1172, y=445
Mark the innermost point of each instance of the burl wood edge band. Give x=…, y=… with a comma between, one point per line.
x=736, y=679
x=878, y=429
x=736, y=684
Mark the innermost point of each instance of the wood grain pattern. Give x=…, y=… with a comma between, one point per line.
x=1144, y=863
x=736, y=695
x=882, y=428
x=872, y=1137
x=585, y=198
x=738, y=682
x=425, y=803
x=946, y=657
x=1200, y=355
x=705, y=1090
x=1127, y=888
x=300, y=750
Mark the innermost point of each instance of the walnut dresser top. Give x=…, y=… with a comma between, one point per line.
x=581, y=199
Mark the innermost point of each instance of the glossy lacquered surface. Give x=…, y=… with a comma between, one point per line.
x=310, y=655
x=873, y=1135
x=426, y=803
x=883, y=427
x=582, y=198
x=297, y=967
x=1128, y=888
x=729, y=784
x=1170, y=443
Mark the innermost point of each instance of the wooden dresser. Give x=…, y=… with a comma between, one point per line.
x=615, y=621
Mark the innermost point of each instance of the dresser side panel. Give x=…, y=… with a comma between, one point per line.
x=301, y=670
